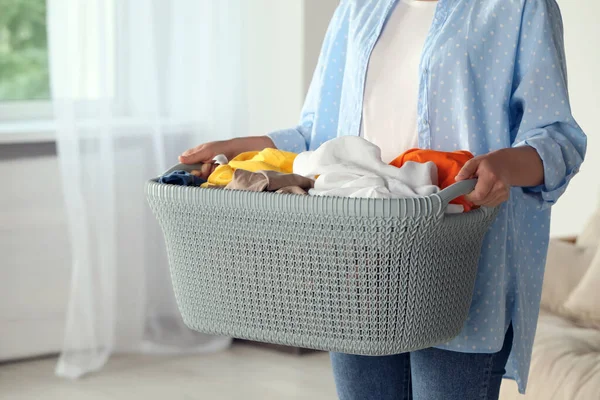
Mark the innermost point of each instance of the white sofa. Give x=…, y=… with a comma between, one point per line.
x=565, y=364
x=566, y=353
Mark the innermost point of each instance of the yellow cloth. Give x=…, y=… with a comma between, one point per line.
x=265, y=160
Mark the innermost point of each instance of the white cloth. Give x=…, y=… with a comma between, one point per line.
x=350, y=166
x=134, y=84
x=221, y=159
x=413, y=180
x=389, y=117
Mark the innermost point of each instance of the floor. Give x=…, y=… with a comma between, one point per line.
x=243, y=372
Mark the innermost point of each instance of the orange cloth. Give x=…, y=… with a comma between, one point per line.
x=448, y=164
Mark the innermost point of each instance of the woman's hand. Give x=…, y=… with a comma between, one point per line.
x=498, y=171
x=204, y=153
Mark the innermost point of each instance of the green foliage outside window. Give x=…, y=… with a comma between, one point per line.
x=23, y=50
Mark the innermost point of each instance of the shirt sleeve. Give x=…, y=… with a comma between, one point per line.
x=540, y=110
x=298, y=139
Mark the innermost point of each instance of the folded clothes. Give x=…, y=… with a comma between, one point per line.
x=351, y=166
x=265, y=160
x=181, y=178
x=269, y=181
x=448, y=165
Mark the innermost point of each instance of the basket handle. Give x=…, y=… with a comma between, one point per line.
x=456, y=190
x=219, y=159
x=183, y=167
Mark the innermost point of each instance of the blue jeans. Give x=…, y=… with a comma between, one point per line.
x=429, y=374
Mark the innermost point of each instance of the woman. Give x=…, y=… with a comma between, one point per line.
x=492, y=80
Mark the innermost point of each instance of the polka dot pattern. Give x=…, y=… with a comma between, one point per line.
x=492, y=76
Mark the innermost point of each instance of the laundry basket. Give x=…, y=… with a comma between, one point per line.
x=358, y=276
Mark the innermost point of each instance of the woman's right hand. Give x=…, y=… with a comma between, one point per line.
x=204, y=153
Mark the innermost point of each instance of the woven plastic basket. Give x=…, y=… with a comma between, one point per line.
x=359, y=276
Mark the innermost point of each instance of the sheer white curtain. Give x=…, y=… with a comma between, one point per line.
x=134, y=83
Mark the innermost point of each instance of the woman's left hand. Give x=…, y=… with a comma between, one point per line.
x=499, y=170
x=493, y=186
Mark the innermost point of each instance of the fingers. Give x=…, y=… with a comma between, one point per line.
x=469, y=170
x=482, y=191
x=196, y=155
x=498, y=194
x=205, y=171
x=495, y=202
x=491, y=190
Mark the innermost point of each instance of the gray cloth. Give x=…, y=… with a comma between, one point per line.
x=269, y=181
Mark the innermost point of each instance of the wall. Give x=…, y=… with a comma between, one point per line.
x=34, y=252
x=583, y=61
x=275, y=85
x=279, y=73
x=317, y=14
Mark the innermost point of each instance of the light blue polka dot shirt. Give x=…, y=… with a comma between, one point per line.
x=492, y=75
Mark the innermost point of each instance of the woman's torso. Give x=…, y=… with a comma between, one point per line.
x=467, y=74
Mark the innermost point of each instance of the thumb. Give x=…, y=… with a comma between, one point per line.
x=468, y=170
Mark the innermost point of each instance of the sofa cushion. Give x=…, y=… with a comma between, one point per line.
x=590, y=236
x=583, y=304
x=565, y=363
x=565, y=266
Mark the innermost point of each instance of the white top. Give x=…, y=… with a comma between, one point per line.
x=392, y=84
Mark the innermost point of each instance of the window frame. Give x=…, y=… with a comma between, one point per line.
x=26, y=121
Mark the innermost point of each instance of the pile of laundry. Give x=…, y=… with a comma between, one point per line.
x=347, y=166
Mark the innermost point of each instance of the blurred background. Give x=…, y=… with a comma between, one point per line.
x=96, y=97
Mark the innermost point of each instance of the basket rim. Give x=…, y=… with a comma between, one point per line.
x=415, y=207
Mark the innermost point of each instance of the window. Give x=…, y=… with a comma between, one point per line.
x=24, y=77
x=23, y=51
